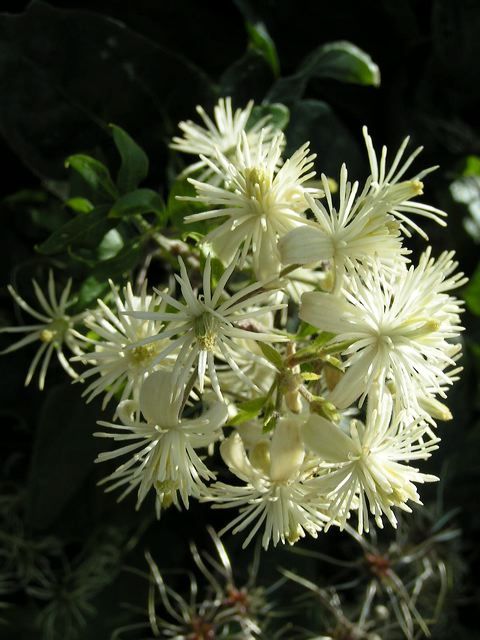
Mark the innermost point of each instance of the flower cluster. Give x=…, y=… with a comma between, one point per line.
x=299, y=333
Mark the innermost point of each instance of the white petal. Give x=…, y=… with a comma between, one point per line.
x=327, y=312
x=160, y=399
x=305, y=244
x=235, y=457
x=327, y=440
x=286, y=450
x=217, y=414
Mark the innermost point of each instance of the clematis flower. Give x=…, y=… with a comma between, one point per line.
x=223, y=133
x=391, y=193
x=349, y=235
x=208, y=325
x=276, y=493
x=162, y=448
x=112, y=361
x=398, y=327
x=54, y=329
x=260, y=202
x=365, y=469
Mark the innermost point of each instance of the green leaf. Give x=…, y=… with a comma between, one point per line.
x=313, y=348
x=63, y=452
x=270, y=420
x=241, y=418
x=342, y=61
x=248, y=410
x=322, y=338
x=471, y=293
x=315, y=120
x=86, y=229
x=261, y=40
x=48, y=216
x=472, y=166
x=95, y=174
x=79, y=205
x=305, y=330
x=136, y=202
x=253, y=405
x=310, y=376
x=111, y=244
x=278, y=115
x=178, y=209
x=272, y=355
x=115, y=268
x=78, y=70
x=249, y=78
x=134, y=167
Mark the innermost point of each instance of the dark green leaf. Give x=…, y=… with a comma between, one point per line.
x=178, y=209
x=315, y=121
x=134, y=167
x=95, y=174
x=342, y=61
x=249, y=78
x=116, y=268
x=138, y=202
x=85, y=229
x=79, y=70
x=63, y=452
x=49, y=217
x=278, y=115
x=261, y=40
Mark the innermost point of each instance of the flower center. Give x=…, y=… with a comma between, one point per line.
x=47, y=335
x=412, y=328
x=166, y=491
x=257, y=182
x=205, y=328
x=143, y=354
x=55, y=331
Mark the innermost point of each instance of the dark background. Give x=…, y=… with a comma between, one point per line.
x=64, y=75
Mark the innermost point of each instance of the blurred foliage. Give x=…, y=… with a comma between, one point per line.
x=82, y=193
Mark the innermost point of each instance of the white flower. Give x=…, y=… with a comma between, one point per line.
x=366, y=470
x=54, y=329
x=250, y=360
x=261, y=203
x=276, y=493
x=389, y=192
x=162, y=450
x=115, y=364
x=352, y=234
x=397, y=327
x=222, y=134
x=208, y=325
